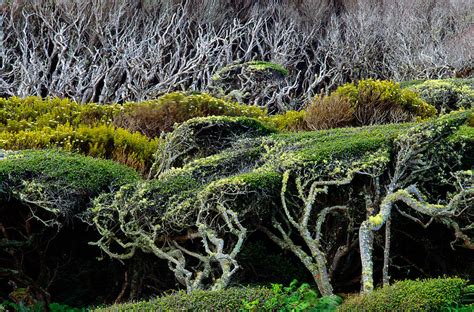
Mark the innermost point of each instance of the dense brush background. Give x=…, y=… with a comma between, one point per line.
x=129, y=50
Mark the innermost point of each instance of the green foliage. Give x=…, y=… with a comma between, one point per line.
x=253, y=65
x=288, y=121
x=34, y=123
x=104, y=141
x=278, y=298
x=331, y=147
x=156, y=116
x=39, y=307
x=223, y=300
x=383, y=101
x=293, y=298
x=410, y=295
x=35, y=113
x=261, y=65
x=447, y=94
x=82, y=175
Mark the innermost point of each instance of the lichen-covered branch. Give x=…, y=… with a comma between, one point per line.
x=417, y=152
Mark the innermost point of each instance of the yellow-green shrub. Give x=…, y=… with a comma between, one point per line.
x=104, y=141
x=35, y=113
x=380, y=101
x=156, y=116
x=447, y=94
x=288, y=121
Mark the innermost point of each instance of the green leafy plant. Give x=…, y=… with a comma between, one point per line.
x=294, y=298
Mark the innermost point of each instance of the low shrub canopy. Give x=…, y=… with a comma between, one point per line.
x=276, y=298
x=223, y=300
x=154, y=117
x=35, y=113
x=367, y=102
x=447, y=94
x=81, y=174
x=410, y=295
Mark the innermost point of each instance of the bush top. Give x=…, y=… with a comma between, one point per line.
x=86, y=174
x=410, y=295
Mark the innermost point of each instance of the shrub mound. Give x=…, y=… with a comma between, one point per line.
x=204, y=136
x=418, y=295
x=276, y=298
x=63, y=177
x=223, y=300
x=257, y=83
x=44, y=196
x=367, y=102
x=103, y=141
x=154, y=117
x=447, y=94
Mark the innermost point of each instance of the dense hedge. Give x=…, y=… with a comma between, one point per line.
x=420, y=295
x=125, y=133
x=84, y=175
x=224, y=300
x=276, y=298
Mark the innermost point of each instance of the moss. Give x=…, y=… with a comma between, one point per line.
x=253, y=65
x=261, y=65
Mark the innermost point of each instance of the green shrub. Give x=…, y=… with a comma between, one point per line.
x=278, y=298
x=378, y=101
x=39, y=307
x=87, y=174
x=410, y=295
x=447, y=94
x=156, y=116
x=253, y=65
x=223, y=300
x=34, y=123
x=58, y=185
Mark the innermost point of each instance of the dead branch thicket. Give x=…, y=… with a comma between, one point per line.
x=128, y=50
